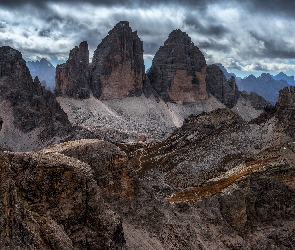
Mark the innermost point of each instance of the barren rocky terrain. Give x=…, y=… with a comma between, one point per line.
x=216, y=172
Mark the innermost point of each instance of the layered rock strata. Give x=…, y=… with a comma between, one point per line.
x=178, y=70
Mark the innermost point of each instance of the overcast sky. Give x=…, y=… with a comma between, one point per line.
x=251, y=36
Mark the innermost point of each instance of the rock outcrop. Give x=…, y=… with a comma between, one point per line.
x=178, y=70
x=286, y=111
x=28, y=109
x=226, y=91
x=110, y=165
x=117, y=68
x=50, y=201
x=72, y=77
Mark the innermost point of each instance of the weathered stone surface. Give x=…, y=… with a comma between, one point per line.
x=217, y=183
x=224, y=90
x=50, y=201
x=111, y=168
x=72, y=77
x=286, y=110
x=117, y=68
x=33, y=107
x=178, y=70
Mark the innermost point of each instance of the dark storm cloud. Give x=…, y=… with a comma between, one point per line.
x=274, y=47
x=230, y=32
x=210, y=29
x=214, y=45
x=275, y=6
x=126, y=3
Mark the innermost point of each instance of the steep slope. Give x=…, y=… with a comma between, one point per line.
x=178, y=70
x=45, y=72
x=31, y=115
x=128, y=118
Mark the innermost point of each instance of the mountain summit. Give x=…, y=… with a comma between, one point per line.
x=178, y=70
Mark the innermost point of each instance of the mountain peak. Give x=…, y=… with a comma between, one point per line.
x=178, y=37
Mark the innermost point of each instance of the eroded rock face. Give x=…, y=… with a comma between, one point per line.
x=72, y=77
x=117, y=68
x=285, y=110
x=178, y=71
x=111, y=167
x=224, y=90
x=26, y=105
x=50, y=201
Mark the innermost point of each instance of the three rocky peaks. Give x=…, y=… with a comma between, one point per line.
x=179, y=72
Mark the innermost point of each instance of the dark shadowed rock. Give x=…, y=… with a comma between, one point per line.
x=33, y=108
x=286, y=110
x=224, y=90
x=72, y=77
x=117, y=68
x=178, y=70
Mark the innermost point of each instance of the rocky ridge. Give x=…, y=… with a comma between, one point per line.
x=263, y=85
x=45, y=72
x=31, y=115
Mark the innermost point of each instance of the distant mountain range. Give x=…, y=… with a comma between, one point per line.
x=266, y=85
x=45, y=72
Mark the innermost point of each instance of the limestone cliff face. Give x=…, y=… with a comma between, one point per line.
x=72, y=77
x=117, y=68
x=26, y=105
x=178, y=70
x=224, y=90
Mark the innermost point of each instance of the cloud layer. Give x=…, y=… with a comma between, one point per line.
x=249, y=36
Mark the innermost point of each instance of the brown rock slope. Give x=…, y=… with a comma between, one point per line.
x=72, y=77
x=217, y=183
x=178, y=70
x=117, y=68
x=32, y=117
x=50, y=201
